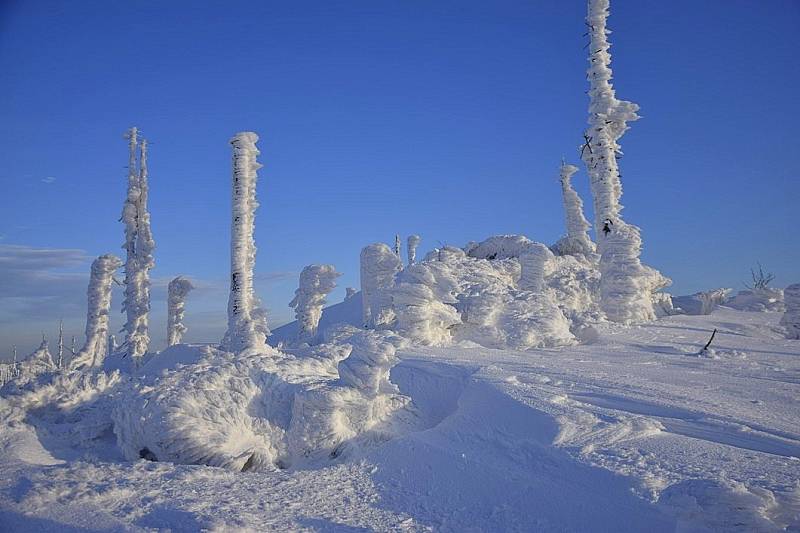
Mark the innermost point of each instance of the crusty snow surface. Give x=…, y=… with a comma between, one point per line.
x=633, y=432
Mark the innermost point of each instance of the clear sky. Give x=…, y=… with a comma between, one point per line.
x=443, y=118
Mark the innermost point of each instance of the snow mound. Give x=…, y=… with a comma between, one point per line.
x=701, y=303
x=791, y=318
x=766, y=299
x=262, y=411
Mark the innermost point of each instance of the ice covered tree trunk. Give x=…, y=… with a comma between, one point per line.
x=397, y=245
x=791, y=317
x=316, y=282
x=534, y=266
x=60, y=356
x=577, y=239
x=138, y=247
x=379, y=265
x=112, y=344
x=624, y=290
x=99, y=303
x=177, y=290
x=247, y=323
x=412, y=243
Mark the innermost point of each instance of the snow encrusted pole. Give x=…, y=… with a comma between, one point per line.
x=316, y=282
x=791, y=318
x=624, y=291
x=577, y=239
x=138, y=247
x=60, y=360
x=177, y=291
x=412, y=243
x=247, y=323
x=99, y=303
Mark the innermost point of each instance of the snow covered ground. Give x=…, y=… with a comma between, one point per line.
x=631, y=432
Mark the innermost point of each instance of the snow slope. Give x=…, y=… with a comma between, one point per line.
x=631, y=432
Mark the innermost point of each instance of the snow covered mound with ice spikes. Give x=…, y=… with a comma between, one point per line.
x=264, y=411
x=504, y=292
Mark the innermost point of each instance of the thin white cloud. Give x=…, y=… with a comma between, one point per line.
x=48, y=179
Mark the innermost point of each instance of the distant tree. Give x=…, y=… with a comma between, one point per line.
x=761, y=279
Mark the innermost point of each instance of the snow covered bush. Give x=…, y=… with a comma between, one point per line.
x=412, y=243
x=577, y=239
x=254, y=411
x=316, y=282
x=701, y=303
x=99, y=305
x=177, y=290
x=791, y=318
x=247, y=322
x=379, y=266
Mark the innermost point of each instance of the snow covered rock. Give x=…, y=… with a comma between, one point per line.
x=177, y=290
x=316, y=282
x=701, y=303
x=766, y=299
x=791, y=317
x=379, y=266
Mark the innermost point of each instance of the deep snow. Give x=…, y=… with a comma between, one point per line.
x=634, y=431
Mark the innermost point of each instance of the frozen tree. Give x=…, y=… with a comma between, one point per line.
x=533, y=265
x=247, y=322
x=397, y=245
x=316, y=282
x=791, y=318
x=177, y=290
x=60, y=353
x=412, y=243
x=624, y=287
x=577, y=240
x=350, y=292
x=72, y=346
x=41, y=360
x=139, y=248
x=99, y=303
x=379, y=265
x=112, y=344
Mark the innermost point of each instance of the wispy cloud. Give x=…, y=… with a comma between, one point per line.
x=48, y=179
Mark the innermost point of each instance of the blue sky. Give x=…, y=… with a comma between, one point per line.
x=446, y=119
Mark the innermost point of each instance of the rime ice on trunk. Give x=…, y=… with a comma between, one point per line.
x=379, y=265
x=791, y=318
x=624, y=289
x=139, y=248
x=577, y=240
x=177, y=291
x=412, y=243
x=534, y=265
x=99, y=303
x=397, y=245
x=60, y=353
x=247, y=323
x=316, y=282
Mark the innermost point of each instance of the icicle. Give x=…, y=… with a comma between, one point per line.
x=99, y=303
x=247, y=323
x=177, y=291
